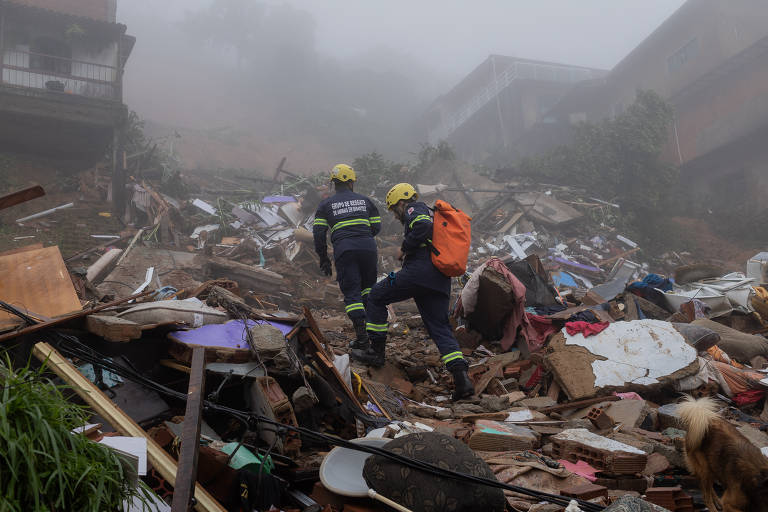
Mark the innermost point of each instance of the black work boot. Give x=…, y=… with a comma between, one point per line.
x=462, y=385
x=361, y=342
x=373, y=355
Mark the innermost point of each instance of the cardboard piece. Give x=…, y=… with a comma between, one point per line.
x=37, y=281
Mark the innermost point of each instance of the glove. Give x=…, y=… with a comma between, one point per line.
x=325, y=266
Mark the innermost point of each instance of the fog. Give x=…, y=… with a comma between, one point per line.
x=247, y=81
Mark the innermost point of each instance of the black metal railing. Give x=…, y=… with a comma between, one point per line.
x=59, y=74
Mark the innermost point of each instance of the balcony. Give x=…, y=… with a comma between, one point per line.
x=48, y=74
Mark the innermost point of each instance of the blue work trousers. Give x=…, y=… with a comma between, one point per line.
x=433, y=308
x=356, y=274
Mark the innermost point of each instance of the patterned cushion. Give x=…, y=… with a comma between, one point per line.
x=425, y=492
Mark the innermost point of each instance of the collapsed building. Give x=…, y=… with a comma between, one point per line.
x=210, y=351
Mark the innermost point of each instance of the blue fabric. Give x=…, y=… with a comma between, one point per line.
x=657, y=281
x=353, y=221
x=432, y=306
x=649, y=288
x=355, y=272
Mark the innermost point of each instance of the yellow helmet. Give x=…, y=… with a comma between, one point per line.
x=399, y=192
x=343, y=172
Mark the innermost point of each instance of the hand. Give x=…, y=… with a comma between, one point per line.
x=325, y=266
x=400, y=255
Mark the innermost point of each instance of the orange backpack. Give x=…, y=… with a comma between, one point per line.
x=451, y=236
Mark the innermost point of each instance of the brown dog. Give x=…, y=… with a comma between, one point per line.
x=717, y=452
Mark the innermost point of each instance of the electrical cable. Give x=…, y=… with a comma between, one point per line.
x=74, y=348
x=85, y=353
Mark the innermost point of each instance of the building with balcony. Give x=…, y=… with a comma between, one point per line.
x=61, y=76
x=709, y=59
x=498, y=102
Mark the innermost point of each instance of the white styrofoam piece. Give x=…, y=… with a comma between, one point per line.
x=199, y=229
x=207, y=208
x=764, y=449
x=136, y=446
x=80, y=430
x=627, y=241
x=588, y=438
x=516, y=249
x=639, y=352
x=147, y=279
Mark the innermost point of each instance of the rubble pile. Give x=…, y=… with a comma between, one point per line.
x=211, y=349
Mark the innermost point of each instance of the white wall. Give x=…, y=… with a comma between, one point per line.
x=93, y=62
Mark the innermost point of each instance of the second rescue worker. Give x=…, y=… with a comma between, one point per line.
x=420, y=280
x=353, y=220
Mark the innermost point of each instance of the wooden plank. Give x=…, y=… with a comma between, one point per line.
x=493, y=371
x=247, y=276
x=650, y=309
x=319, y=339
x=95, y=248
x=630, y=307
x=579, y=403
x=21, y=196
x=372, y=396
x=186, y=475
x=105, y=408
x=170, y=363
x=332, y=369
x=618, y=257
x=554, y=390
x=130, y=246
x=39, y=281
x=69, y=318
x=31, y=247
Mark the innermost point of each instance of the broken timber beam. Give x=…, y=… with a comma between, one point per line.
x=579, y=403
x=186, y=474
x=112, y=328
x=246, y=276
x=22, y=196
x=68, y=318
x=104, y=407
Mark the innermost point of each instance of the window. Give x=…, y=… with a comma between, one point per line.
x=52, y=55
x=687, y=53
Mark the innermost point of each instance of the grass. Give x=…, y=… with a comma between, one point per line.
x=43, y=466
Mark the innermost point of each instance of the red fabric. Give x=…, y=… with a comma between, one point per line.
x=535, y=377
x=540, y=328
x=586, y=328
x=532, y=328
x=749, y=397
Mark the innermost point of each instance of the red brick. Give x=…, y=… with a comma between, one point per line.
x=585, y=491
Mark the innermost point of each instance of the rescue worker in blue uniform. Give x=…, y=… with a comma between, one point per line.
x=353, y=221
x=421, y=281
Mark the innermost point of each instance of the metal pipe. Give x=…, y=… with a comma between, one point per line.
x=46, y=212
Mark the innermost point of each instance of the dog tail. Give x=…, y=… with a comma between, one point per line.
x=696, y=415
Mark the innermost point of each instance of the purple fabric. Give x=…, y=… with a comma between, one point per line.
x=228, y=335
x=574, y=264
x=279, y=199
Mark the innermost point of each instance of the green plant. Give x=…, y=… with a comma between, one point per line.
x=373, y=169
x=45, y=467
x=428, y=154
x=619, y=160
x=74, y=31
